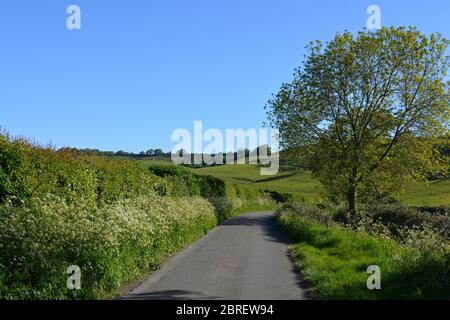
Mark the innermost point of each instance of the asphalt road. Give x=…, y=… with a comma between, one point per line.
x=243, y=258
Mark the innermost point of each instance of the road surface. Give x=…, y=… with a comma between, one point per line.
x=243, y=258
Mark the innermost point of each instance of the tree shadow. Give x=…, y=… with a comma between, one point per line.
x=279, y=177
x=168, y=295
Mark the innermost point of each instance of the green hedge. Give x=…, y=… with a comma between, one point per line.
x=183, y=181
x=112, y=218
x=28, y=171
x=112, y=245
x=228, y=198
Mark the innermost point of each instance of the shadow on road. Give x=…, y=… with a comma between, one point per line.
x=168, y=295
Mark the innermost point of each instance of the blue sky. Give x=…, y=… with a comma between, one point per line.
x=139, y=69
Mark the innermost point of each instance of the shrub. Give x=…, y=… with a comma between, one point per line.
x=184, y=182
x=442, y=210
x=397, y=217
x=211, y=186
x=227, y=198
x=28, y=171
x=111, y=245
x=223, y=207
x=309, y=212
x=280, y=197
x=112, y=218
x=406, y=225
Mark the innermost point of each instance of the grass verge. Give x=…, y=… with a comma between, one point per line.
x=334, y=261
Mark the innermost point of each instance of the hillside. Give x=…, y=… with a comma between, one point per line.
x=303, y=186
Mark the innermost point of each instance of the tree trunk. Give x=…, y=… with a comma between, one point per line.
x=352, y=204
x=353, y=193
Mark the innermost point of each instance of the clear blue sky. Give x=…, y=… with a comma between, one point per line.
x=139, y=69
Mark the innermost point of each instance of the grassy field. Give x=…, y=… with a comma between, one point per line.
x=434, y=193
x=303, y=186
x=299, y=183
x=146, y=162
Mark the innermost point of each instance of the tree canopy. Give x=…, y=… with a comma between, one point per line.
x=366, y=111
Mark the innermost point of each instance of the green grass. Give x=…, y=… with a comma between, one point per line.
x=299, y=183
x=304, y=187
x=434, y=193
x=253, y=206
x=334, y=262
x=147, y=162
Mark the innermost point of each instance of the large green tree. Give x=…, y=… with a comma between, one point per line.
x=366, y=110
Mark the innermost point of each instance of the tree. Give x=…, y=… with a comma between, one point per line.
x=158, y=152
x=122, y=153
x=366, y=111
x=149, y=152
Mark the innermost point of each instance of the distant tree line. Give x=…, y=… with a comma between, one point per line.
x=121, y=153
x=241, y=153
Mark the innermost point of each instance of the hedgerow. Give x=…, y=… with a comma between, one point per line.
x=112, y=218
x=227, y=198
x=28, y=171
x=111, y=245
x=334, y=256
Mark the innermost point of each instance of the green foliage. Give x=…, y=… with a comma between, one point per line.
x=292, y=183
x=183, y=181
x=334, y=262
x=280, y=197
x=228, y=198
x=367, y=112
x=309, y=212
x=28, y=171
x=112, y=245
x=205, y=185
x=416, y=227
x=304, y=188
x=211, y=186
x=112, y=218
x=399, y=220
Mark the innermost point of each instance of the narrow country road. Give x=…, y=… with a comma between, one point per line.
x=243, y=258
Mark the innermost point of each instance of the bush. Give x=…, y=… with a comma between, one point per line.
x=223, y=207
x=280, y=197
x=308, y=212
x=184, y=182
x=28, y=171
x=404, y=224
x=442, y=211
x=228, y=199
x=211, y=187
x=397, y=217
x=112, y=218
x=111, y=245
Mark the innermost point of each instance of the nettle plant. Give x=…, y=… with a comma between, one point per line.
x=366, y=112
